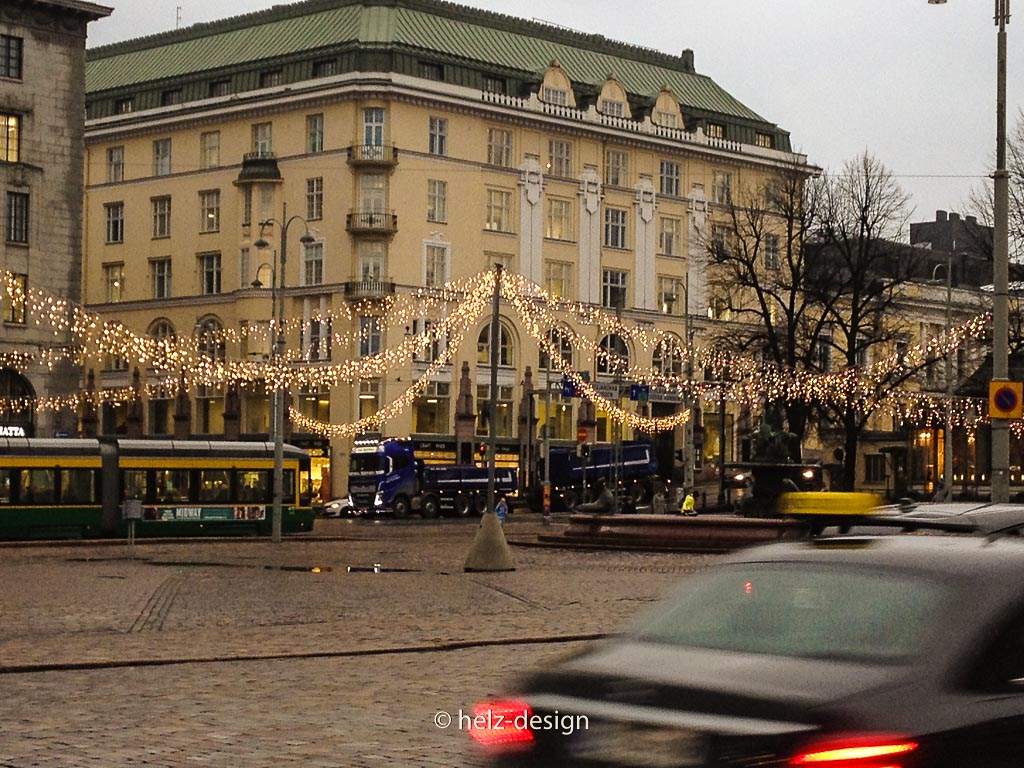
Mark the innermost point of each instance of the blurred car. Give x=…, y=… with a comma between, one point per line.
x=338, y=508
x=854, y=652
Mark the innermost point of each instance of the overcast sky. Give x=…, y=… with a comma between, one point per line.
x=911, y=82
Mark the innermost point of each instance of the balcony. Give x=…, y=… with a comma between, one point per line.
x=257, y=167
x=371, y=223
x=373, y=155
x=356, y=290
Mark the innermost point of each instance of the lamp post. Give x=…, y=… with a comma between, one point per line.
x=947, y=442
x=277, y=354
x=1000, y=262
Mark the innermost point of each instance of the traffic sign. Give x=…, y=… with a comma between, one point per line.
x=568, y=387
x=582, y=434
x=1005, y=399
x=640, y=392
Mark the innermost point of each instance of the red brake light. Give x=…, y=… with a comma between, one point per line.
x=875, y=751
x=502, y=725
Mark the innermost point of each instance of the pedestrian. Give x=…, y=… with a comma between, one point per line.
x=501, y=509
x=688, y=503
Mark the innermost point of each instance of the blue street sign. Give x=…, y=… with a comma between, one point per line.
x=568, y=387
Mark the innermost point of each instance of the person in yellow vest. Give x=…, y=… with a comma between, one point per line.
x=688, y=503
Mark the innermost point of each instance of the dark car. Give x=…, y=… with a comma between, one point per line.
x=856, y=652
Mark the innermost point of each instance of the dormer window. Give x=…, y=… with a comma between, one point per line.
x=558, y=96
x=613, y=108
x=666, y=119
x=431, y=71
x=716, y=131
x=765, y=140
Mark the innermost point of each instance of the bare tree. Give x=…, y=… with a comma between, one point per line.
x=981, y=201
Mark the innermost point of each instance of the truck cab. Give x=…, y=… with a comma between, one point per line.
x=382, y=476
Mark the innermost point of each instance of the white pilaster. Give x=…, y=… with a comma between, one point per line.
x=531, y=219
x=645, y=288
x=590, y=235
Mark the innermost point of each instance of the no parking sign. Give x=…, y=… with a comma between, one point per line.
x=1005, y=399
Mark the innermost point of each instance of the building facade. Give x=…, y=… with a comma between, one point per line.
x=416, y=143
x=42, y=104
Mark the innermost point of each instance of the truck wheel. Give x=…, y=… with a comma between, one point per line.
x=463, y=505
x=400, y=507
x=480, y=503
x=429, y=507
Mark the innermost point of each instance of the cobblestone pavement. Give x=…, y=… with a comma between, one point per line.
x=238, y=653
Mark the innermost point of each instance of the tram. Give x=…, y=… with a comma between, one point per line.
x=76, y=488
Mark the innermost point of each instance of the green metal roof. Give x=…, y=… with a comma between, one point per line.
x=443, y=28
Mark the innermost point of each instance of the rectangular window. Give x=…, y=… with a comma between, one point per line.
x=716, y=130
x=220, y=88
x=435, y=268
x=161, y=269
x=613, y=108
x=431, y=71
x=115, y=164
x=613, y=288
x=170, y=98
x=325, y=68
x=503, y=410
x=765, y=140
x=558, y=279
x=161, y=157
x=209, y=273
x=667, y=119
x=494, y=84
x=560, y=158
x=114, y=215
x=499, y=147
x=315, y=133
x=499, y=211
x=670, y=295
x=369, y=336
x=266, y=202
x=437, y=201
x=209, y=149
x=558, y=96
x=721, y=188
x=616, y=168
x=670, y=236
x=124, y=106
x=721, y=240
x=670, y=176
x=558, y=225
x=315, y=198
x=438, y=143
x=247, y=205
x=10, y=56
x=209, y=210
x=614, y=228
x=17, y=217
x=373, y=127
x=161, y=207
x=771, y=251
x=262, y=138
x=270, y=78
x=371, y=261
x=14, y=307
x=874, y=468
x=243, y=268
x=10, y=138
x=313, y=263
x=113, y=282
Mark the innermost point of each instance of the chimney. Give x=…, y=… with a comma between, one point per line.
x=940, y=215
x=954, y=217
x=687, y=57
x=972, y=220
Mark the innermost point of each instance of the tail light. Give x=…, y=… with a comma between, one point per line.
x=870, y=751
x=502, y=726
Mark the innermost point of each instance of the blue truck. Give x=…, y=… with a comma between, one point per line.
x=386, y=476
x=638, y=472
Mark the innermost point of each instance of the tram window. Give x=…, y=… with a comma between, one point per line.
x=77, y=486
x=288, y=487
x=134, y=484
x=172, y=485
x=37, y=486
x=255, y=487
x=5, y=485
x=215, y=485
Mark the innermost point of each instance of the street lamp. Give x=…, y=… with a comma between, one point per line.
x=1000, y=262
x=947, y=443
x=277, y=302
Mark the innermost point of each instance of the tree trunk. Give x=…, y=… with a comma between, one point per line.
x=850, y=443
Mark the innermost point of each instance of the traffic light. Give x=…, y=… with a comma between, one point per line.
x=483, y=449
x=585, y=450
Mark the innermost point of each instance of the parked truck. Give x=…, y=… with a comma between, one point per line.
x=638, y=472
x=386, y=476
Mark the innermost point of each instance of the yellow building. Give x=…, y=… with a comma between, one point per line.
x=419, y=143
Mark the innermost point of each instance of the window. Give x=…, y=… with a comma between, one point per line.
x=438, y=143
x=14, y=310
x=319, y=346
x=614, y=228
x=616, y=168
x=124, y=106
x=373, y=127
x=161, y=157
x=170, y=98
x=209, y=149
x=161, y=207
x=670, y=236
x=503, y=410
x=558, y=225
x=437, y=200
x=771, y=251
x=499, y=147
x=668, y=357
x=315, y=198
x=431, y=410
x=560, y=158
x=613, y=288
x=823, y=351
x=17, y=217
x=499, y=210
x=220, y=88
x=325, y=68
x=435, y=266
x=721, y=240
x=669, y=178
x=115, y=164
x=209, y=211
x=483, y=346
x=874, y=468
x=266, y=201
x=371, y=261
x=665, y=118
x=369, y=336
x=670, y=296
x=114, y=214
x=315, y=133
x=430, y=344
x=161, y=270
x=431, y=71
x=721, y=188
x=270, y=78
x=262, y=138
x=563, y=346
x=494, y=84
x=247, y=205
x=558, y=279
x=558, y=96
x=10, y=138
x=716, y=130
x=613, y=108
x=10, y=57
x=209, y=273
x=243, y=268
x=313, y=263
x=765, y=140
x=369, y=398
x=614, y=356
x=113, y=282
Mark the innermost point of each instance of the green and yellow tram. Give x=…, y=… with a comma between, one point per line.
x=54, y=488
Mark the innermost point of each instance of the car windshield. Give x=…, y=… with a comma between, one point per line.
x=800, y=610
x=367, y=464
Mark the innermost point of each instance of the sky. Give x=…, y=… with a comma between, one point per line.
x=912, y=83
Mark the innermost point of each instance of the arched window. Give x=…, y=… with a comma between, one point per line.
x=561, y=342
x=16, y=402
x=161, y=330
x=211, y=339
x=616, y=355
x=668, y=357
x=483, y=346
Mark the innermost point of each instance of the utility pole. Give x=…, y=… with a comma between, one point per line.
x=492, y=419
